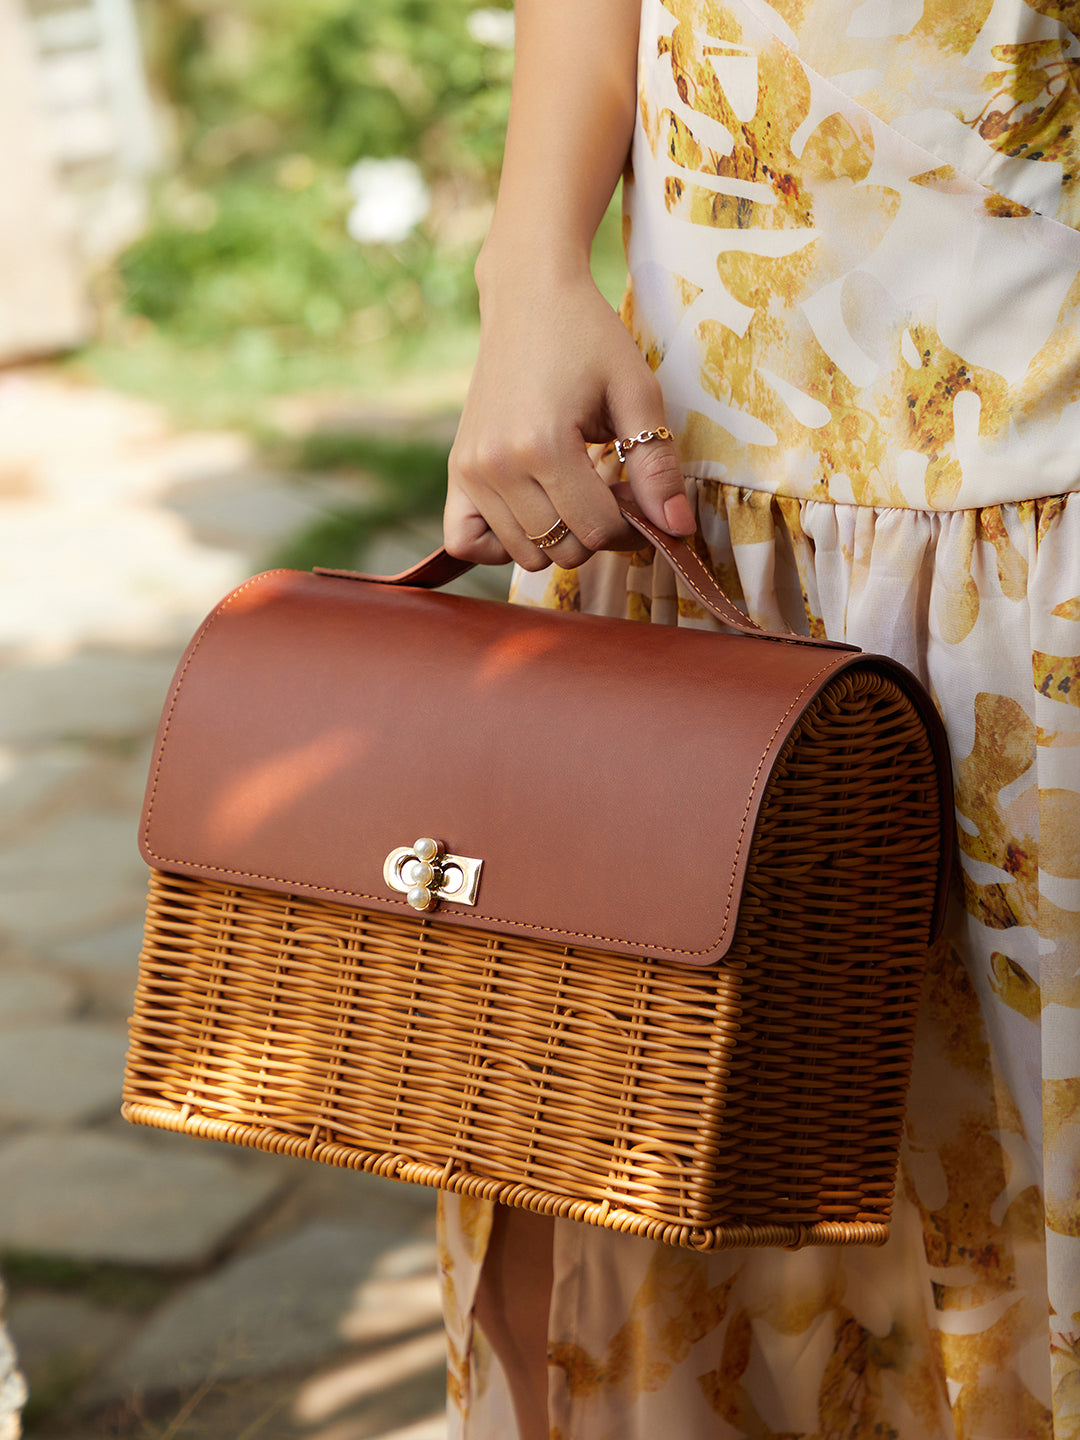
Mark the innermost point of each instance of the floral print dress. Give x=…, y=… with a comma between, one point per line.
x=855, y=268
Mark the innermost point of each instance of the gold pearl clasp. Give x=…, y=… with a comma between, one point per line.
x=425, y=874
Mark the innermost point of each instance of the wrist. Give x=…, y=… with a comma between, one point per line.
x=518, y=261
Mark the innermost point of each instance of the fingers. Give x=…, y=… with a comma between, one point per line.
x=652, y=468
x=467, y=534
x=495, y=508
x=576, y=494
x=501, y=502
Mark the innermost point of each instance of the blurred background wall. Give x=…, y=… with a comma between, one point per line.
x=79, y=141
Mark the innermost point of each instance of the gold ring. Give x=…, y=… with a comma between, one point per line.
x=623, y=447
x=558, y=531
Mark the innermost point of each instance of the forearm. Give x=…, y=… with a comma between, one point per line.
x=557, y=371
x=571, y=121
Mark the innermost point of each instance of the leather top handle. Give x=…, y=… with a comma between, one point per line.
x=440, y=568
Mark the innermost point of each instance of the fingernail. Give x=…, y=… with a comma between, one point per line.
x=678, y=516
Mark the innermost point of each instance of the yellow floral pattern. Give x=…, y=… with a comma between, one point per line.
x=855, y=268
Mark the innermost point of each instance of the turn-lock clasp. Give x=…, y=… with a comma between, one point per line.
x=425, y=874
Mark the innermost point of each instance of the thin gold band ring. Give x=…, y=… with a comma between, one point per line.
x=558, y=531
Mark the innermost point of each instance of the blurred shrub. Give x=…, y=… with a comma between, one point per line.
x=410, y=475
x=275, y=101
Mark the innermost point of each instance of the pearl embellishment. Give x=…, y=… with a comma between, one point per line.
x=420, y=897
x=425, y=874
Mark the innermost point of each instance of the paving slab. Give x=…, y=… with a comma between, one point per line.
x=31, y=997
x=107, y=576
x=433, y=1428
x=329, y=1193
x=254, y=512
x=42, y=914
x=283, y=1304
x=85, y=844
x=96, y=1197
x=103, y=695
x=109, y=998
x=113, y=951
x=373, y=1393
x=52, y=425
x=239, y=1158
x=129, y=775
x=105, y=965
x=194, y=455
x=428, y=409
x=30, y=782
x=60, y=1074
x=77, y=871
x=87, y=553
x=60, y=1339
x=264, y=1408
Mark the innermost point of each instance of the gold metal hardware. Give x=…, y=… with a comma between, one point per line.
x=623, y=447
x=425, y=874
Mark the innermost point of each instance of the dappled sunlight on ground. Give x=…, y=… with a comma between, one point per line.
x=160, y=1288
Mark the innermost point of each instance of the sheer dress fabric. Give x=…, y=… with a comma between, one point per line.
x=855, y=268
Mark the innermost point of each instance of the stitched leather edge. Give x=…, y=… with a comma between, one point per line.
x=835, y=662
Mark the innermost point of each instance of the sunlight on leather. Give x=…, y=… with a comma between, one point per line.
x=267, y=789
x=511, y=652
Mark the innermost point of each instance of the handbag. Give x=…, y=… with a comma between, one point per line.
x=617, y=922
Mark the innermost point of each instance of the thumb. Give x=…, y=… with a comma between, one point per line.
x=656, y=479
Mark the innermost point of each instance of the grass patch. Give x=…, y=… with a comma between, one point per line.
x=120, y=1287
x=411, y=478
x=233, y=385
x=54, y=1388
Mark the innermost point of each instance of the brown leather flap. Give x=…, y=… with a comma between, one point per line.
x=607, y=774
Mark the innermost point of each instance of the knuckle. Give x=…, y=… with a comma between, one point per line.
x=460, y=548
x=464, y=465
x=507, y=455
x=533, y=449
x=529, y=452
x=456, y=466
x=659, y=465
x=488, y=460
x=577, y=556
x=595, y=535
x=489, y=457
x=647, y=396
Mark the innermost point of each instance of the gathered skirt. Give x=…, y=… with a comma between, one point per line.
x=968, y=1322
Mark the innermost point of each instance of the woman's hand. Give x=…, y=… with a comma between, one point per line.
x=557, y=371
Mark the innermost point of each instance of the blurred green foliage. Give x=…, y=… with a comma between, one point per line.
x=247, y=283
x=274, y=101
x=411, y=481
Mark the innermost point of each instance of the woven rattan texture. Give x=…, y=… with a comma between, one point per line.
x=758, y=1102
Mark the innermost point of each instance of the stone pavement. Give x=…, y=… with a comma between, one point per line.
x=159, y=1287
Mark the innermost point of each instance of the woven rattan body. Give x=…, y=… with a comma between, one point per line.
x=756, y=1101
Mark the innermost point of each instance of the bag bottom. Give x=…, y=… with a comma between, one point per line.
x=416, y=1172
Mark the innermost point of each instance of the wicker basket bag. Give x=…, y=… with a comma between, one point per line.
x=618, y=922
